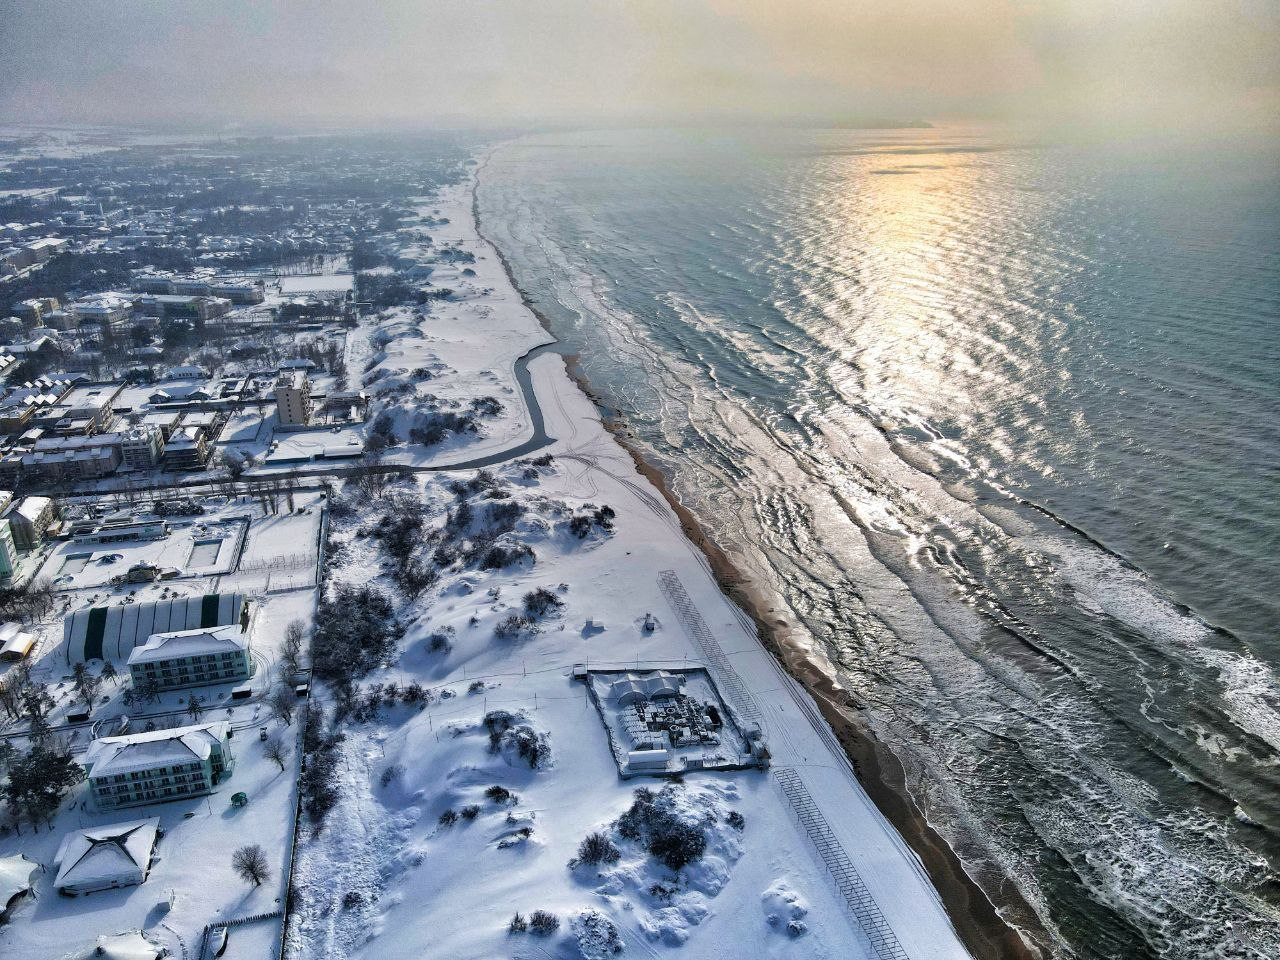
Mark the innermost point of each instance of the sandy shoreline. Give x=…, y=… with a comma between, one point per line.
x=984, y=932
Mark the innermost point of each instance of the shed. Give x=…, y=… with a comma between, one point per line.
x=15, y=644
x=126, y=946
x=648, y=759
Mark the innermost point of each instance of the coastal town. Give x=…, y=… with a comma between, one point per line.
x=336, y=623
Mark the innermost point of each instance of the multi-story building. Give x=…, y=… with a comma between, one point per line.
x=293, y=398
x=193, y=658
x=108, y=311
x=8, y=551
x=185, y=307
x=67, y=458
x=187, y=449
x=160, y=766
x=34, y=311
x=30, y=519
x=141, y=447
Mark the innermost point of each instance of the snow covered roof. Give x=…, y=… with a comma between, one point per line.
x=16, y=874
x=14, y=643
x=100, y=855
x=159, y=748
x=126, y=946
x=109, y=633
x=190, y=643
x=31, y=508
x=631, y=687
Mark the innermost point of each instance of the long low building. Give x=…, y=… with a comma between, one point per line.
x=192, y=658
x=159, y=766
x=105, y=858
x=111, y=633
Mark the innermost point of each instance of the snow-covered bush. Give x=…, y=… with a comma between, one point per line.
x=515, y=627
x=595, y=849
x=543, y=923
x=500, y=794
x=596, y=934
x=582, y=524
x=356, y=630
x=653, y=821
x=509, y=736
x=540, y=602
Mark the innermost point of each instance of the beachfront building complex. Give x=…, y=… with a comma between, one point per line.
x=156, y=767
x=192, y=658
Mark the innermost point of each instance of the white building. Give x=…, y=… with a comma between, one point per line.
x=156, y=767
x=107, y=310
x=191, y=658
x=104, y=858
x=293, y=398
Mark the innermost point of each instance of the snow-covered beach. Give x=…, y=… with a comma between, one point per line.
x=393, y=873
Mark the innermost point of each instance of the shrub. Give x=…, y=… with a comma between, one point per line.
x=477, y=686
x=736, y=820
x=581, y=524
x=662, y=892
x=500, y=794
x=500, y=557
x=595, y=849
x=487, y=406
x=352, y=899
x=513, y=627
x=439, y=641
x=356, y=630
x=470, y=812
x=540, y=602
x=675, y=844
x=506, y=732
x=653, y=821
x=518, y=924
x=393, y=772
x=543, y=923
x=448, y=818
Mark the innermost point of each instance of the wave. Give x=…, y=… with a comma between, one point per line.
x=1064, y=722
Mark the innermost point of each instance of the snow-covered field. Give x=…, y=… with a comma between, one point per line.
x=419, y=859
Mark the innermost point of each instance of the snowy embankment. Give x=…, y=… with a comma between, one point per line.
x=474, y=767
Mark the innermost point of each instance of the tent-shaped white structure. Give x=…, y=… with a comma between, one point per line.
x=636, y=688
x=103, y=858
x=17, y=876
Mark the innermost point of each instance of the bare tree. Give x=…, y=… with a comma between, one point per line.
x=250, y=864
x=294, y=635
x=277, y=752
x=282, y=704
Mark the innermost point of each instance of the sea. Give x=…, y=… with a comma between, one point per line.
x=995, y=424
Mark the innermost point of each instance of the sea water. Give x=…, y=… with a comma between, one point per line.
x=998, y=425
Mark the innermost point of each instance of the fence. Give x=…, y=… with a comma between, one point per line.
x=739, y=696
x=845, y=875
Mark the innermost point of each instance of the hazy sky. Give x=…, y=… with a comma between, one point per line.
x=1066, y=63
